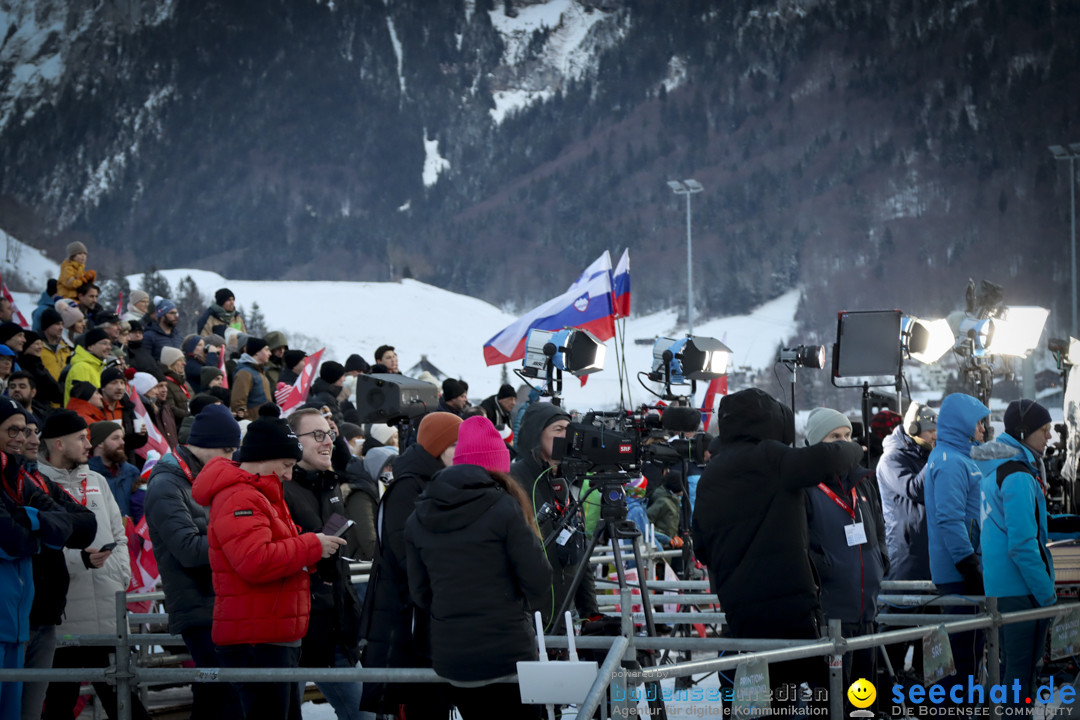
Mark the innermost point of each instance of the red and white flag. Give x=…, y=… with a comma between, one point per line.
x=717, y=388
x=144, y=569
x=291, y=397
x=120, y=304
x=154, y=439
x=19, y=317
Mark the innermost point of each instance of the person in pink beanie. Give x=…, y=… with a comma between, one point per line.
x=473, y=528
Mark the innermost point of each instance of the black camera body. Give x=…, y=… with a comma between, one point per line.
x=598, y=447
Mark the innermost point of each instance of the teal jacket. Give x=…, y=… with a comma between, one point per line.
x=1014, y=523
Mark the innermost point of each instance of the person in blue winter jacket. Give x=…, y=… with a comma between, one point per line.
x=29, y=520
x=953, y=498
x=1017, y=567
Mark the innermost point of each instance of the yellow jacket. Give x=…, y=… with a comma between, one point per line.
x=84, y=366
x=71, y=278
x=55, y=360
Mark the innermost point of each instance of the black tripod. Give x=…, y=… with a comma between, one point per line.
x=613, y=524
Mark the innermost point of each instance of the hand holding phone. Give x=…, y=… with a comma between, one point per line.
x=337, y=525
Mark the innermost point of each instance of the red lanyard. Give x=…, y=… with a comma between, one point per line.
x=849, y=510
x=81, y=502
x=184, y=466
x=16, y=493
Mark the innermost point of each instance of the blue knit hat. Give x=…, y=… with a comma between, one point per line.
x=214, y=427
x=164, y=305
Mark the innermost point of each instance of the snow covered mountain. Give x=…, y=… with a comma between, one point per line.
x=870, y=153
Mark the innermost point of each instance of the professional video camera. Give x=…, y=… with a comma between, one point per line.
x=622, y=442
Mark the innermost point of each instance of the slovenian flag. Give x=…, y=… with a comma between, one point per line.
x=620, y=286
x=587, y=304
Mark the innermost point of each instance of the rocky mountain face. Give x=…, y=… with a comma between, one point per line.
x=876, y=153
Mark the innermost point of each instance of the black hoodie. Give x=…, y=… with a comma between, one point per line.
x=468, y=533
x=749, y=522
x=552, y=489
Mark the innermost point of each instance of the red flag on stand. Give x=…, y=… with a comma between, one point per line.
x=19, y=317
x=291, y=397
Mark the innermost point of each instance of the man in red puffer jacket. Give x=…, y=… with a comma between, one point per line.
x=260, y=563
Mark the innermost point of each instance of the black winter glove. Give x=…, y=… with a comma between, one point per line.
x=973, y=579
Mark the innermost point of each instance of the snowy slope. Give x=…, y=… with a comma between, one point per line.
x=29, y=264
x=451, y=329
x=568, y=52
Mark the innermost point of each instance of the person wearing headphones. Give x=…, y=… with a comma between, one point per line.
x=901, y=476
x=1017, y=567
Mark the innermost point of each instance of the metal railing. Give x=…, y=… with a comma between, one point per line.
x=128, y=677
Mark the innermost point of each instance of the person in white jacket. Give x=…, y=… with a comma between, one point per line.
x=97, y=573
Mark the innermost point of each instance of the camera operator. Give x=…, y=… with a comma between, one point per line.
x=750, y=528
x=550, y=493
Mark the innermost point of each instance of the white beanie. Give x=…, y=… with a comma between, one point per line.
x=823, y=421
x=382, y=432
x=144, y=382
x=170, y=355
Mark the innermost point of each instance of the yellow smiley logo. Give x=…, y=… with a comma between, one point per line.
x=862, y=693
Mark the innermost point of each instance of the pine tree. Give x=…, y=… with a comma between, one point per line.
x=155, y=285
x=113, y=291
x=190, y=303
x=256, y=323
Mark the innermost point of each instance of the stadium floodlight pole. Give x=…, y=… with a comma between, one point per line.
x=688, y=188
x=1071, y=154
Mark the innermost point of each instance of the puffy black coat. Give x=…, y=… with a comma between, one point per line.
x=178, y=527
x=850, y=575
x=51, y=577
x=552, y=489
x=139, y=356
x=901, y=477
x=749, y=524
x=312, y=498
x=495, y=413
x=391, y=642
x=361, y=493
x=469, y=534
x=397, y=632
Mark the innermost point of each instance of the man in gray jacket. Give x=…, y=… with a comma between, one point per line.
x=177, y=527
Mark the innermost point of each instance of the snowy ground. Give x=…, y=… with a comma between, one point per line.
x=451, y=329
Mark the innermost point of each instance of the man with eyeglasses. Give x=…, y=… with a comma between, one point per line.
x=178, y=531
x=313, y=497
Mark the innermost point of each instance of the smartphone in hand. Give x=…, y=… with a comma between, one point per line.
x=337, y=525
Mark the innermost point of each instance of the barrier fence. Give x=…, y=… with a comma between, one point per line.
x=129, y=676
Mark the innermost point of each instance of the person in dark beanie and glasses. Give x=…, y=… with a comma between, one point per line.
x=260, y=563
x=1017, y=568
